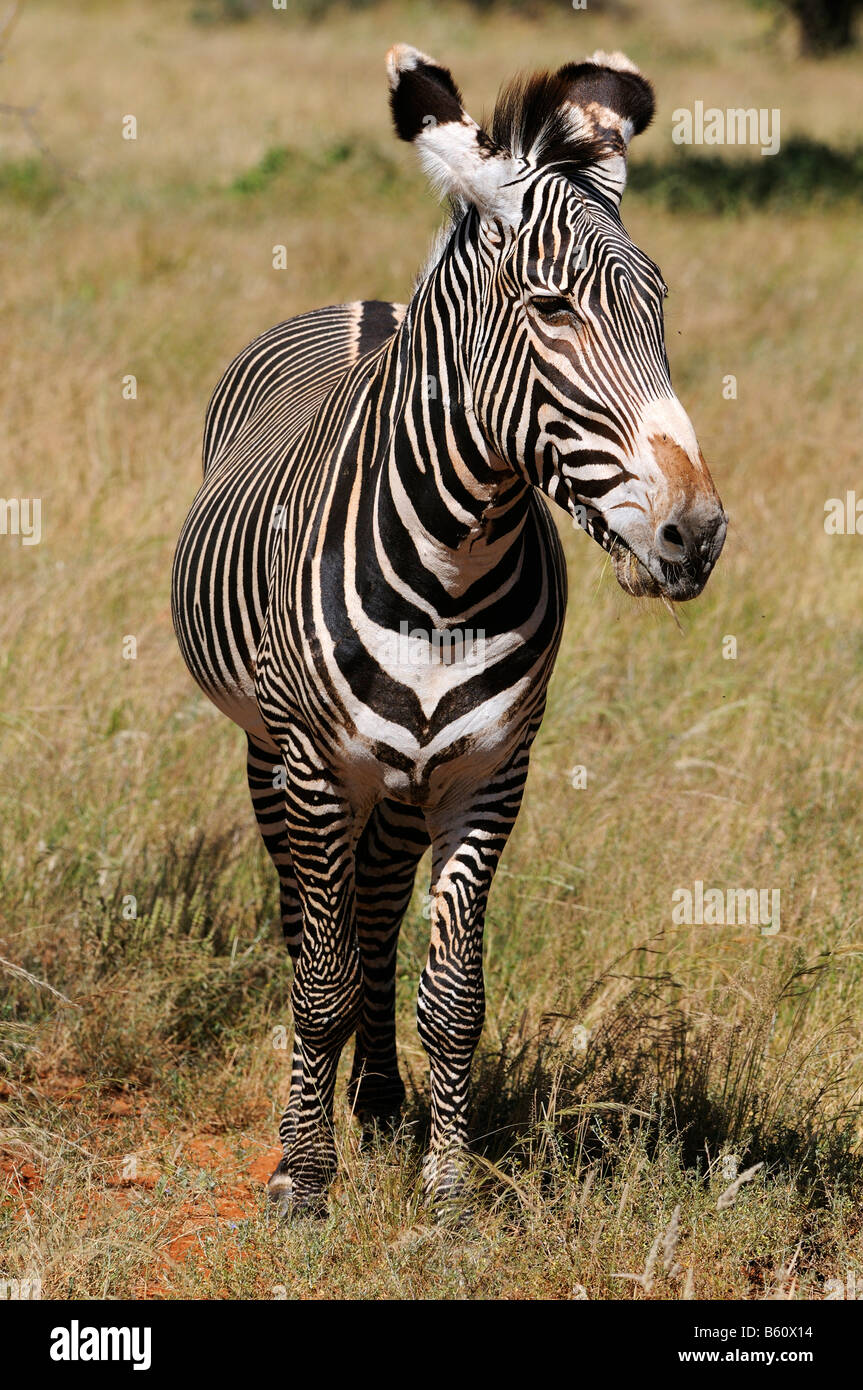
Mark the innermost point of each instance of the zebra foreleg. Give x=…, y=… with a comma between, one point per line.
x=451, y=999
x=388, y=852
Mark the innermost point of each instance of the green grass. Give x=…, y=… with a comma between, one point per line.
x=32, y=181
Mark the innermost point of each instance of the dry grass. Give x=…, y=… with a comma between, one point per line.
x=702, y=1043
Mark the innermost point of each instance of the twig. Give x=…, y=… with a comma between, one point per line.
x=18, y=970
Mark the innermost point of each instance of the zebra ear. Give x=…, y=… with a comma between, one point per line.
x=460, y=159
x=608, y=102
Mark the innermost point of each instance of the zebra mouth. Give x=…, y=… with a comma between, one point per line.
x=632, y=574
x=658, y=578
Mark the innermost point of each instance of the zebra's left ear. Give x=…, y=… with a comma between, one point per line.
x=608, y=102
x=460, y=159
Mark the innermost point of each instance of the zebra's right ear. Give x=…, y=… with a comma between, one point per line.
x=460, y=159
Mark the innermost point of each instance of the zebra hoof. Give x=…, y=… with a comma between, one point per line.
x=445, y=1188
x=452, y=1213
x=292, y=1205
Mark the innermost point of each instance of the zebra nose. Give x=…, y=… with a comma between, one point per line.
x=670, y=544
x=695, y=541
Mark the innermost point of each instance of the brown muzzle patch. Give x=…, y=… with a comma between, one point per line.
x=686, y=480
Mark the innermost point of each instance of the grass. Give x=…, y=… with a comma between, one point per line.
x=803, y=171
x=628, y=1066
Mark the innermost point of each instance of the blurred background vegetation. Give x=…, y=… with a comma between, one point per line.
x=824, y=26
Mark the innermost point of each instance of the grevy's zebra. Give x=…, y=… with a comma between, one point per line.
x=369, y=466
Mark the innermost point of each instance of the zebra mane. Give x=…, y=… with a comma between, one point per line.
x=531, y=122
x=571, y=120
x=533, y=119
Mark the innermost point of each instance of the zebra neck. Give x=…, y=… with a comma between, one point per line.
x=441, y=495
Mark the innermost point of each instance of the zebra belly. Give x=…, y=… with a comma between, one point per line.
x=220, y=589
x=257, y=421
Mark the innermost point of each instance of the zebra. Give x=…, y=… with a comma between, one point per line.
x=375, y=470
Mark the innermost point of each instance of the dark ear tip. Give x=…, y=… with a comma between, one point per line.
x=645, y=104
x=644, y=108
x=634, y=97
x=404, y=61
x=419, y=89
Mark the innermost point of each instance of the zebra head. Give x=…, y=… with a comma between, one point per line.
x=560, y=334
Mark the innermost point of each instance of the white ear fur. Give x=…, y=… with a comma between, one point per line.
x=456, y=155
x=402, y=58
x=608, y=173
x=617, y=60
x=457, y=165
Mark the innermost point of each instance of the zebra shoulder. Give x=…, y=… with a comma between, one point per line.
x=294, y=365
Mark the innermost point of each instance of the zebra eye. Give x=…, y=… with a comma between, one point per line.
x=555, y=309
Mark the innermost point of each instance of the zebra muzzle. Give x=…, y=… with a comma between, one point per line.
x=632, y=576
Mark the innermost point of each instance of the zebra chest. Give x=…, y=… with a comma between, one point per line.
x=394, y=704
x=419, y=760
x=413, y=717
x=403, y=713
